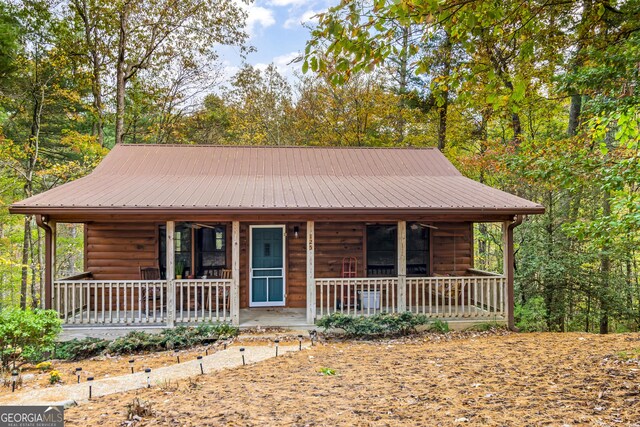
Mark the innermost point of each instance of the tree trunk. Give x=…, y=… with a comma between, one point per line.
x=91, y=39
x=402, y=85
x=444, y=108
x=121, y=73
x=574, y=114
x=605, y=270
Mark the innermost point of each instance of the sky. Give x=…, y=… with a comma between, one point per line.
x=276, y=31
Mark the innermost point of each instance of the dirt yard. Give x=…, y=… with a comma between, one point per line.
x=487, y=379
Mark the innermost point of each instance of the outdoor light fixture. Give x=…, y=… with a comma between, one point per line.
x=148, y=372
x=78, y=374
x=225, y=342
x=277, y=342
x=300, y=342
x=242, y=353
x=90, y=379
x=201, y=369
x=178, y=357
x=131, y=364
x=14, y=378
x=296, y=231
x=313, y=335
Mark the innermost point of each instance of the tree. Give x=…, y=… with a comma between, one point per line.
x=153, y=33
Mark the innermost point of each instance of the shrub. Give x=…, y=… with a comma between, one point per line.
x=376, y=325
x=26, y=335
x=138, y=341
x=54, y=377
x=78, y=349
x=44, y=366
x=439, y=326
x=134, y=342
x=486, y=326
x=531, y=316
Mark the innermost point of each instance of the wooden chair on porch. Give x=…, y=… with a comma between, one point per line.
x=349, y=299
x=222, y=296
x=150, y=273
x=450, y=289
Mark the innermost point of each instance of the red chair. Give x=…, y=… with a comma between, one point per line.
x=349, y=298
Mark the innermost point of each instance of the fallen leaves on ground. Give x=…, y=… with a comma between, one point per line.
x=474, y=379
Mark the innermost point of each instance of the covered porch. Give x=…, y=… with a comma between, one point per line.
x=459, y=295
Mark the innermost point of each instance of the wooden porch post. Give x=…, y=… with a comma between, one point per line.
x=170, y=275
x=311, y=283
x=507, y=245
x=235, y=273
x=49, y=228
x=402, y=266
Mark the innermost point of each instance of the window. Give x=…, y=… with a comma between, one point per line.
x=382, y=250
x=382, y=245
x=210, y=249
x=211, y=254
x=417, y=250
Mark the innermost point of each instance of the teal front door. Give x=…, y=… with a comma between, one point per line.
x=267, y=266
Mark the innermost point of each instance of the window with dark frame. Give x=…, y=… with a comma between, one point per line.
x=210, y=248
x=382, y=250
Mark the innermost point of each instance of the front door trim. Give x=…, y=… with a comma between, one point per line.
x=284, y=274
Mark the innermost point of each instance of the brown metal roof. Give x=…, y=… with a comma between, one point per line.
x=148, y=178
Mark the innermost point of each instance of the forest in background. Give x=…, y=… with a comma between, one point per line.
x=538, y=98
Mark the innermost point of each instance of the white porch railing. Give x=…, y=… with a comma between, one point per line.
x=131, y=302
x=356, y=296
x=203, y=300
x=437, y=297
x=457, y=297
x=110, y=301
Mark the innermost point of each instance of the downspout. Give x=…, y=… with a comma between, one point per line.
x=509, y=269
x=43, y=222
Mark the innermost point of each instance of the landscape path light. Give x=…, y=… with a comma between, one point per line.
x=131, y=364
x=78, y=370
x=201, y=368
x=90, y=379
x=14, y=379
x=242, y=353
x=277, y=342
x=148, y=372
x=300, y=342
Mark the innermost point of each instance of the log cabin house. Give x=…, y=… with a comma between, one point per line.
x=180, y=234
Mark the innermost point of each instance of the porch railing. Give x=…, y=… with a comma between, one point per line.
x=203, y=300
x=437, y=297
x=356, y=296
x=132, y=302
x=110, y=301
x=457, y=297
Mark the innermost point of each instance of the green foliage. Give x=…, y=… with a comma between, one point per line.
x=382, y=324
x=78, y=349
x=633, y=354
x=54, y=377
x=486, y=326
x=138, y=341
x=531, y=316
x=327, y=371
x=26, y=335
x=439, y=326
